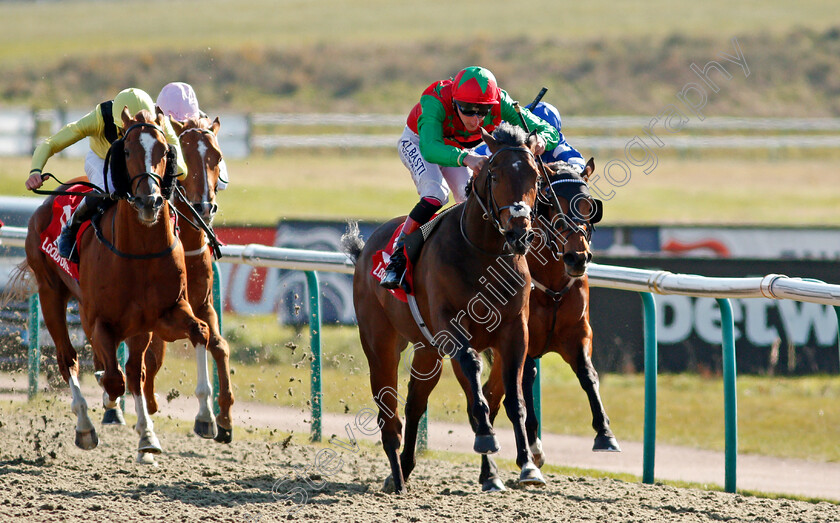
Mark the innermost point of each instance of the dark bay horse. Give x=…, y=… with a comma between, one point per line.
x=471, y=285
x=132, y=277
x=559, y=306
x=199, y=144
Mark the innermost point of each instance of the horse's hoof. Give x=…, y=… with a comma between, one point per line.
x=493, y=485
x=206, y=429
x=531, y=475
x=390, y=487
x=87, y=440
x=149, y=444
x=487, y=444
x=605, y=444
x=146, y=458
x=224, y=435
x=113, y=417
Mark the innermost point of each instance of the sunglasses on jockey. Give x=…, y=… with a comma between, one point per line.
x=470, y=109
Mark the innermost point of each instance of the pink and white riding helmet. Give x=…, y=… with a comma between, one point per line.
x=178, y=100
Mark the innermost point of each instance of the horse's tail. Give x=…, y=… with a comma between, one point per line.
x=20, y=286
x=352, y=242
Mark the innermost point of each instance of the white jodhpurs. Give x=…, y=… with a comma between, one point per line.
x=432, y=180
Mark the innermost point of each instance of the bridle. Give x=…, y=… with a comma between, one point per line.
x=491, y=209
x=573, y=222
x=131, y=199
x=196, y=208
x=156, y=178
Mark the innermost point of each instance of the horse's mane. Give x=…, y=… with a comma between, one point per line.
x=510, y=135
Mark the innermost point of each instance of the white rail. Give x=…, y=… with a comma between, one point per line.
x=774, y=286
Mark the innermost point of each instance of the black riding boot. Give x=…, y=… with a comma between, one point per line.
x=67, y=238
x=396, y=267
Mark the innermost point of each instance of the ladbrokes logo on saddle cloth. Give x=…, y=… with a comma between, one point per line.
x=63, y=207
x=380, y=262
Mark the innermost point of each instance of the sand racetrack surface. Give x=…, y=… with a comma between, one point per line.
x=44, y=477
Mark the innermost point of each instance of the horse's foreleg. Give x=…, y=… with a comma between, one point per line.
x=532, y=424
x=154, y=361
x=425, y=374
x=485, y=438
x=605, y=440
x=135, y=374
x=488, y=477
x=180, y=322
x=513, y=361
x=220, y=351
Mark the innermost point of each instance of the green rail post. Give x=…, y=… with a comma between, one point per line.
x=217, y=304
x=537, y=388
x=122, y=359
x=423, y=433
x=651, y=370
x=33, y=331
x=315, y=343
x=730, y=395
x=837, y=313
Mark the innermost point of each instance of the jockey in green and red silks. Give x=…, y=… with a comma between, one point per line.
x=437, y=145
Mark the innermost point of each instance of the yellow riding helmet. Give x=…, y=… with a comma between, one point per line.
x=135, y=99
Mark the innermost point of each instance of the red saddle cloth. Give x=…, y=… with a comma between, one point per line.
x=380, y=262
x=63, y=207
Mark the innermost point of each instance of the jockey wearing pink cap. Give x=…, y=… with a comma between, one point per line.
x=178, y=100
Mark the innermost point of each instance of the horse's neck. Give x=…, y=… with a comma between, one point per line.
x=481, y=232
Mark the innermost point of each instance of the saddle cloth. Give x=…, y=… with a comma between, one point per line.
x=62, y=208
x=413, y=244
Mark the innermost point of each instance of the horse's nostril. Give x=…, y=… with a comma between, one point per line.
x=570, y=258
x=158, y=202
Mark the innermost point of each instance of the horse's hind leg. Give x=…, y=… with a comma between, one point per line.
x=605, y=440
x=54, y=307
x=426, y=369
x=176, y=325
x=382, y=348
x=145, y=427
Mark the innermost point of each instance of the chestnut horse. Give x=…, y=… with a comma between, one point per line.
x=199, y=144
x=559, y=306
x=132, y=277
x=485, y=237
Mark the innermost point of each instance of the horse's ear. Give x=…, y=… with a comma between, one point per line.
x=126, y=117
x=177, y=126
x=588, y=170
x=215, y=126
x=159, y=117
x=488, y=139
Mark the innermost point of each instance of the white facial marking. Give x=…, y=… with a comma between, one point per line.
x=202, y=152
x=516, y=164
x=148, y=142
x=520, y=209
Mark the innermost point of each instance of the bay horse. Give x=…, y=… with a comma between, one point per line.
x=558, y=308
x=485, y=237
x=132, y=277
x=199, y=144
